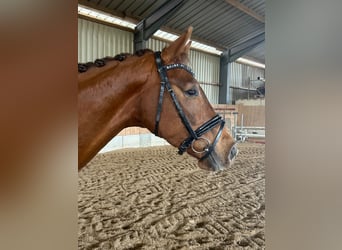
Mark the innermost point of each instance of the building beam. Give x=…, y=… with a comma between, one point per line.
x=224, y=90
x=246, y=10
x=242, y=48
x=227, y=57
x=148, y=26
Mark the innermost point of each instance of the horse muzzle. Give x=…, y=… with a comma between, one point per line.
x=215, y=161
x=233, y=153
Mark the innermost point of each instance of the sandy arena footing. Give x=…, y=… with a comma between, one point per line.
x=152, y=198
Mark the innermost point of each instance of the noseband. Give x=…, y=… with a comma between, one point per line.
x=193, y=135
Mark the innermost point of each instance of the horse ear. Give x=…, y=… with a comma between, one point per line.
x=179, y=48
x=187, y=47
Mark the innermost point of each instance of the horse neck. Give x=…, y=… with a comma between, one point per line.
x=109, y=101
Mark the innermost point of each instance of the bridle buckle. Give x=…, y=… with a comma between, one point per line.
x=205, y=149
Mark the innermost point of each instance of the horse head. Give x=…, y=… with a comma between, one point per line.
x=175, y=107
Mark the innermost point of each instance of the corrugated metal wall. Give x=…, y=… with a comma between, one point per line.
x=207, y=70
x=97, y=40
x=239, y=76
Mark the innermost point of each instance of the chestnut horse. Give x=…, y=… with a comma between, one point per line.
x=157, y=91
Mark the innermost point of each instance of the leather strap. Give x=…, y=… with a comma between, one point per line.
x=165, y=82
x=212, y=146
x=194, y=135
x=199, y=132
x=161, y=93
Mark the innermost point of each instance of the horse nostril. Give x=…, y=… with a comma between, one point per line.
x=233, y=152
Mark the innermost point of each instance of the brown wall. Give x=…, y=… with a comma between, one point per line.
x=252, y=115
x=134, y=131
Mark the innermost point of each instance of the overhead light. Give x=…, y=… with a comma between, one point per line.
x=250, y=62
x=85, y=11
x=171, y=37
x=89, y=12
x=205, y=47
x=103, y=16
x=165, y=35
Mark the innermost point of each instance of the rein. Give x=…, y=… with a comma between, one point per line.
x=193, y=135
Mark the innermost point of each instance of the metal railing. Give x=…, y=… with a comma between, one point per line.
x=242, y=133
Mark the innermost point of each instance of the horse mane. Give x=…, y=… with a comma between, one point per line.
x=83, y=67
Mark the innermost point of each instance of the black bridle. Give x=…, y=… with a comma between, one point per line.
x=194, y=135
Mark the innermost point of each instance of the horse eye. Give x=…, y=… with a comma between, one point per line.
x=191, y=92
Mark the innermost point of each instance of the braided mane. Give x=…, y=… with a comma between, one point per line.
x=83, y=67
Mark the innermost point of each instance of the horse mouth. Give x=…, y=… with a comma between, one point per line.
x=213, y=163
x=216, y=163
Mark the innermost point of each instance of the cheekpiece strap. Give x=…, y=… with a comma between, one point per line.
x=165, y=82
x=161, y=93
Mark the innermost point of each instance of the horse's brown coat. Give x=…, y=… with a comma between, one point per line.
x=123, y=94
